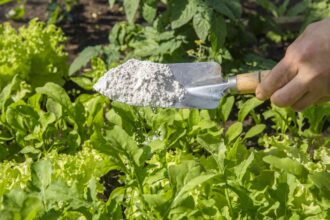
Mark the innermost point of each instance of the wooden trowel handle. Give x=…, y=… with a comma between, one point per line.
x=248, y=82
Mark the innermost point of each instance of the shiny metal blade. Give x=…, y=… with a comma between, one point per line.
x=203, y=82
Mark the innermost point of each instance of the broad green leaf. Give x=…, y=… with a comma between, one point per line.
x=128, y=116
x=121, y=141
x=168, y=47
x=298, y=8
x=221, y=7
x=160, y=201
x=286, y=164
x=131, y=7
x=264, y=179
x=22, y=117
x=157, y=146
x=83, y=58
x=42, y=174
x=321, y=180
x=209, y=141
x=149, y=10
x=54, y=107
x=7, y=91
x=182, y=12
x=236, y=7
x=226, y=106
x=241, y=169
x=47, y=119
x=94, y=106
x=56, y=92
x=202, y=24
x=180, y=174
x=35, y=100
x=189, y=186
x=29, y=150
x=16, y=197
x=255, y=130
x=176, y=135
x=194, y=117
x=60, y=191
x=21, y=205
x=114, y=118
x=218, y=32
x=246, y=203
x=92, y=189
x=247, y=107
x=32, y=207
x=83, y=82
x=234, y=131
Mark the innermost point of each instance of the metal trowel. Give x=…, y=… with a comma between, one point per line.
x=205, y=85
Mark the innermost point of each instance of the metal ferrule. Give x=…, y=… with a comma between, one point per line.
x=232, y=84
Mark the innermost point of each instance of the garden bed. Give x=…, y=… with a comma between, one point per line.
x=67, y=152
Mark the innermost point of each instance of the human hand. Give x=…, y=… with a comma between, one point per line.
x=302, y=77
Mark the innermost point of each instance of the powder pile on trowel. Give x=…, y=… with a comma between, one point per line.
x=141, y=83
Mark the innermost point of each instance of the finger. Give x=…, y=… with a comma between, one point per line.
x=291, y=92
x=280, y=75
x=309, y=99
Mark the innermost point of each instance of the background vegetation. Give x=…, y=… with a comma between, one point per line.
x=69, y=153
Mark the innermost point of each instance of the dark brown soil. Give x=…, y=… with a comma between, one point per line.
x=88, y=23
x=110, y=182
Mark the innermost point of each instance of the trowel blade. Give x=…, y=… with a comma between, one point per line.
x=203, y=82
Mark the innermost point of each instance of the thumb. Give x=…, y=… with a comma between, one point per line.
x=280, y=75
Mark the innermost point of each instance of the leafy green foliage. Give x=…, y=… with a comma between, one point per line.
x=55, y=183
x=34, y=124
x=2, y=2
x=172, y=163
x=182, y=12
x=131, y=8
x=35, y=53
x=58, y=11
x=84, y=57
x=87, y=79
x=229, y=163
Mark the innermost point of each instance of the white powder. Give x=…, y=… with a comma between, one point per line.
x=141, y=83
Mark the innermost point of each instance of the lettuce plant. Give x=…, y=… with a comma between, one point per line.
x=35, y=52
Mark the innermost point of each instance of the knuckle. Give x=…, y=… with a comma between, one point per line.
x=280, y=101
x=306, y=51
x=301, y=52
x=265, y=89
x=285, y=79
